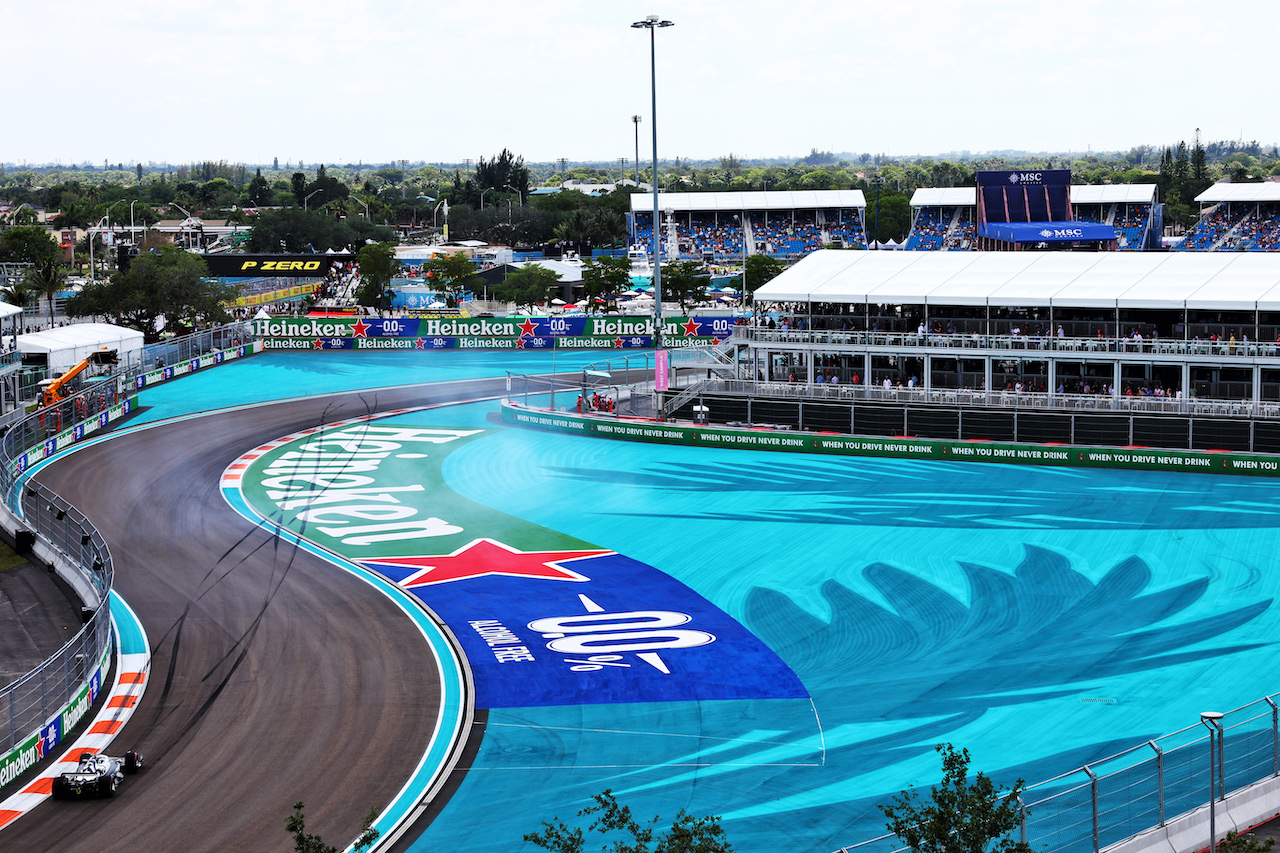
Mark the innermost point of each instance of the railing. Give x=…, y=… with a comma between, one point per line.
x=1202, y=407
x=1018, y=343
x=27, y=703
x=1109, y=800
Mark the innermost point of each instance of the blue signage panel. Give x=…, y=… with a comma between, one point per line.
x=1047, y=232
x=1025, y=178
x=591, y=627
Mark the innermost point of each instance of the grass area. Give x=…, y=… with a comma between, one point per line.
x=9, y=558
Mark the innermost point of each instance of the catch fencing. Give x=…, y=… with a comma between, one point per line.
x=29, y=702
x=1092, y=807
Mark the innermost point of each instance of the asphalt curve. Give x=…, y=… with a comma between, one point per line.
x=276, y=677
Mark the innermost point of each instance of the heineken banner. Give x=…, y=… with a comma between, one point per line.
x=576, y=333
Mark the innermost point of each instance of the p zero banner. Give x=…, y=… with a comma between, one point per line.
x=575, y=333
x=252, y=266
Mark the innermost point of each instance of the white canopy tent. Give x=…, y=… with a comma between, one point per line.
x=1229, y=281
x=740, y=201
x=64, y=347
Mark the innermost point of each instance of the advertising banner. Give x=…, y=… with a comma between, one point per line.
x=252, y=266
x=1025, y=178
x=569, y=333
x=1209, y=462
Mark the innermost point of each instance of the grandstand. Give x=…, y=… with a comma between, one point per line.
x=721, y=227
x=1156, y=349
x=944, y=218
x=1236, y=218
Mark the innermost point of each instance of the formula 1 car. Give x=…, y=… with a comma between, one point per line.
x=95, y=776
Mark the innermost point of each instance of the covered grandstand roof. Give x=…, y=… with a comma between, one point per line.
x=734, y=202
x=1080, y=194
x=1227, y=281
x=1260, y=192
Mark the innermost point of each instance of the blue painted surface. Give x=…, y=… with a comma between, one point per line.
x=624, y=632
x=1041, y=618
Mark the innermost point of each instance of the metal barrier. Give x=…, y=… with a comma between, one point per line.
x=1107, y=801
x=27, y=703
x=1020, y=344
x=1003, y=399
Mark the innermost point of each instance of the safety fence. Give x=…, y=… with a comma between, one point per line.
x=34, y=708
x=1146, y=786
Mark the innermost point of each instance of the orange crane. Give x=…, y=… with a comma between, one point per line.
x=53, y=391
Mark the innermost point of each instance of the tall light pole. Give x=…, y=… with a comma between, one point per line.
x=306, y=197
x=636, y=120
x=1212, y=720
x=652, y=23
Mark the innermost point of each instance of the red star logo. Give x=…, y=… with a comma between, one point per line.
x=519, y=343
x=319, y=344
x=617, y=343
x=420, y=343
x=360, y=329
x=488, y=557
x=528, y=327
x=690, y=327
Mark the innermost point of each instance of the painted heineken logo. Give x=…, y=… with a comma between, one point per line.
x=542, y=617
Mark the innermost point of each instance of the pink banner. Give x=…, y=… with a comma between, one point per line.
x=660, y=382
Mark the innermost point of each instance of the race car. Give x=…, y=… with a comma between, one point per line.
x=95, y=776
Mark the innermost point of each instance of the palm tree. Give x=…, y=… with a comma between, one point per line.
x=15, y=292
x=46, y=278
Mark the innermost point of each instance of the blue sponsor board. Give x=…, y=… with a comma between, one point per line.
x=608, y=629
x=1024, y=178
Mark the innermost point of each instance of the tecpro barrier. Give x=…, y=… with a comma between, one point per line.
x=903, y=448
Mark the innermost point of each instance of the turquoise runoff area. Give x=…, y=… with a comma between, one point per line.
x=1042, y=618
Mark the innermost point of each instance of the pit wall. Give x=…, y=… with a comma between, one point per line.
x=693, y=435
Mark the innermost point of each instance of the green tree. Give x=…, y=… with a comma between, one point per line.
x=296, y=230
x=259, y=190
x=762, y=269
x=296, y=825
x=27, y=244
x=1236, y=843
x=684, y=282
x=298, y=185
x=46, y=278
x=164, y=290
x=605, y=277
x=450, y=274
x=687, y=834
x=528, y=286
x=378, y=265
x=960, y=816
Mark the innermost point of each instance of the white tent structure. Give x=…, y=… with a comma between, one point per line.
x=62, y=348
x=1161, y=280
x=736, y=202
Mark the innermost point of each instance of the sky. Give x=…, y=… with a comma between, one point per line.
x=372, y=81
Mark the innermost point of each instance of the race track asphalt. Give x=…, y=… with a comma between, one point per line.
x=276, y=676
